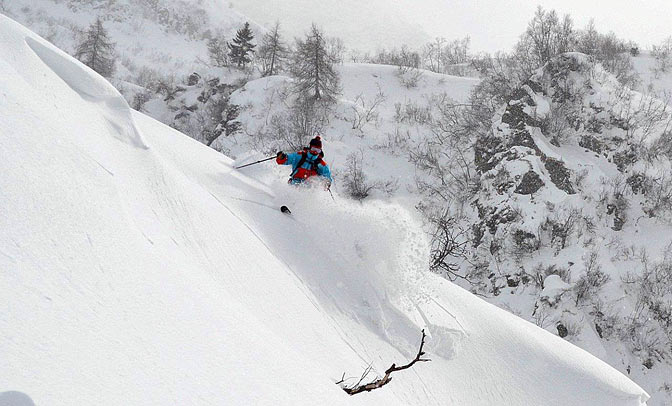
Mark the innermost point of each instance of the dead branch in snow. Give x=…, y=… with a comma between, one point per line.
x=359, y=387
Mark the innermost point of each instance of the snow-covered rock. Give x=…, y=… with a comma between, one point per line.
x=571, y=174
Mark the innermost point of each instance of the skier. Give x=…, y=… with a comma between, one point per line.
x=306, y=163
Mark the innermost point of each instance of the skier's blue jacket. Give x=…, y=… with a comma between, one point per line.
x=312, y=165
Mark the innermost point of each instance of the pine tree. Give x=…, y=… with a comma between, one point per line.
x=242, y=46
x=313, y=67
x=97, y=50
x=273, y=51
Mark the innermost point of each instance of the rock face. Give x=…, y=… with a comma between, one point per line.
x=575, y=169
x=568, y=109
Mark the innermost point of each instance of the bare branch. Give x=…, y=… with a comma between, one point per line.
x=358, y=387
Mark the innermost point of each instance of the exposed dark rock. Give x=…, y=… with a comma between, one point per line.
x=522, y=138
x=535, y=86
x=478, y=232
x=514, y=116
x=193, y=79
x=618, y=209
x=623, y=159
x=525, y=241
x=620, y=123
x=637, y=183
x=484, y=151
x=598, y=329
x=562, y=330
x=560, y=175
x=530, y=183
x=592, y=143
x=500, y=216
x=512, y=281
x=504, y=186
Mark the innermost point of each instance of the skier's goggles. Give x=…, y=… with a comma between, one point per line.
x=315, y=150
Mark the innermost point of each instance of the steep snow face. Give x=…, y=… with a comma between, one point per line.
x=569, y=202
x=138, y=267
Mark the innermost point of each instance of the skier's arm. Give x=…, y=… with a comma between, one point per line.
x=287, y=159
x=324, y=171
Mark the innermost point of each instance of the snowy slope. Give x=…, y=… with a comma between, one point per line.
x=168, y=36
x=651, y=78
x=137, y=267
x=383, y=140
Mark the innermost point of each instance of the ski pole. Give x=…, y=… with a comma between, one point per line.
x=254, y=163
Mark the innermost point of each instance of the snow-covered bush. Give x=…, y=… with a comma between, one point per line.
x=590, y=282
x=412, y=113
x=663, y=54
x=354, y=179
x=366, y=111
x=409, y=76
x=140, y=98
x=296, y=125
x=218, y=52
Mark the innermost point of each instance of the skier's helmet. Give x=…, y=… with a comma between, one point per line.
x=316, y=145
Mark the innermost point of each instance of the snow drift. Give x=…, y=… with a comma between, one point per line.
x=137, y=267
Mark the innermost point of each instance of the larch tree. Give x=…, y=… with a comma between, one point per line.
x=273, y=51
x=313, y=67
x=97, y=50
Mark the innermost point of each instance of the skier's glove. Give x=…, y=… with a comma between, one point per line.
x=281, y=155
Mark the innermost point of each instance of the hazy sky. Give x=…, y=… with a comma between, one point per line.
x=491, y=24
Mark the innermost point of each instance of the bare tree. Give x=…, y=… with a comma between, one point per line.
x=336, y=49
x=545, y=37
x=273, y=51
x=97, y=50
x=364, y=112
x=433, y=54
x=611, y=52
x=313, y=67
x=380, y=382
x=302, y=120
x=663, y=55
x=355, y=180
x=218, y=51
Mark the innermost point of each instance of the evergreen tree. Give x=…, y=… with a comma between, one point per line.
x=313, y=67
x=242, y=47
x=273, y=51
x=97, y=50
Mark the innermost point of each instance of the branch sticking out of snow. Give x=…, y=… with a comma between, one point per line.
x=358, y=387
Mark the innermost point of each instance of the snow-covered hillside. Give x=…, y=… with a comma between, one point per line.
x=572, y=215
x=651, y=79
x=137, y=267
x=376, y=118
x=167, y=36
